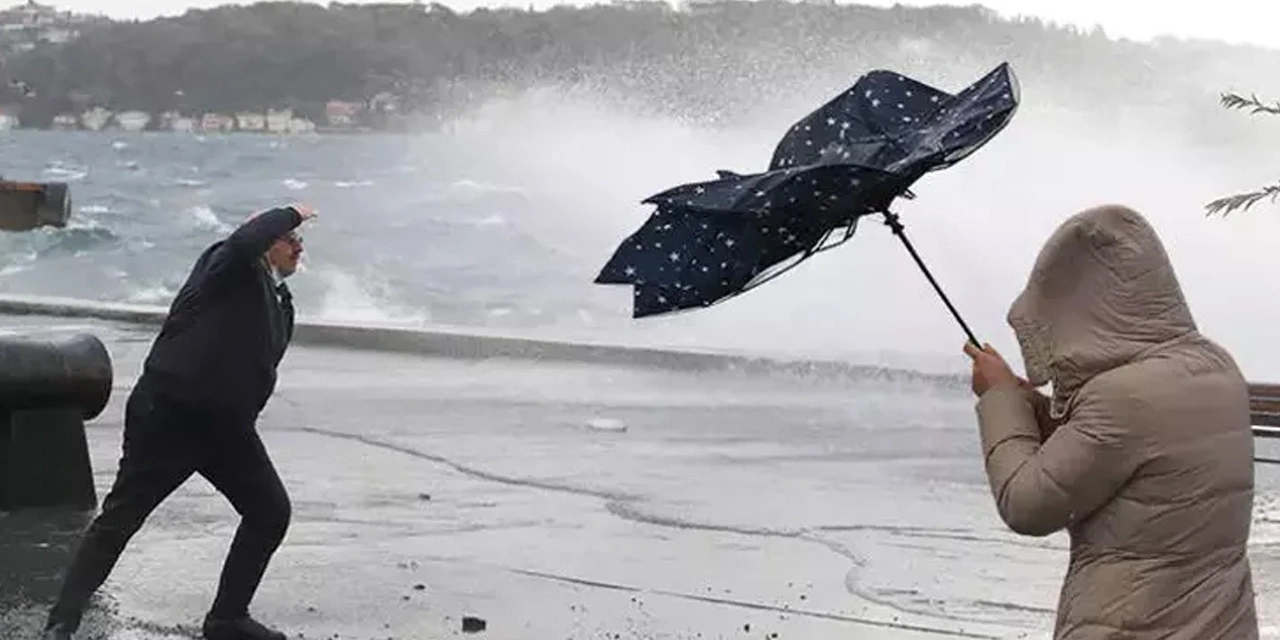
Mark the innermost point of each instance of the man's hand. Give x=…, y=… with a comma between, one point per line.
x=990, y=370
x=306, y=212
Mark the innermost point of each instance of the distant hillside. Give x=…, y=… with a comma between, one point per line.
x=707, y=61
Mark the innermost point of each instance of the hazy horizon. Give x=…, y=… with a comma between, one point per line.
x=1233, y=21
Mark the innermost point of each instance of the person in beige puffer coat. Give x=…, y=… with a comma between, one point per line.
x=1144, y=452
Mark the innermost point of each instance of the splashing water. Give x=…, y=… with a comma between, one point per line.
x=503, y=217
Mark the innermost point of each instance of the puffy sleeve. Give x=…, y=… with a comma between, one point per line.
x=1041, y=487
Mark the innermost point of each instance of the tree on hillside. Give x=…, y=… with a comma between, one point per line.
x=1243, y=201
x=705, y=61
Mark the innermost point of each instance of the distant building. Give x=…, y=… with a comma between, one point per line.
x=301, y=125
x=58, y=35
x=95, y=119
x=9, y=121
x=278, y=120
x=342, y=114
x=34, y=14
x=251, y=121
x=217, y=123
x=175, y=121
x=65, y=122
x=133, y=120
x=384, y=103
x=24, y=26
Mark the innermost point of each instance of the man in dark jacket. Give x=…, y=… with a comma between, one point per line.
x=194, y=410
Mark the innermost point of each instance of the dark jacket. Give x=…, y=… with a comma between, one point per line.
x=227, y=328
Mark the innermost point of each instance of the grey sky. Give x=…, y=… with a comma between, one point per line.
x=1232, y=20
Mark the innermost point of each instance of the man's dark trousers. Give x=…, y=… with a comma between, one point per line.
x=165, y=442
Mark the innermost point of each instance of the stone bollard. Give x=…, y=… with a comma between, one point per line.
x=48, y=389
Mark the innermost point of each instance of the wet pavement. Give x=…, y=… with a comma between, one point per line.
x=586, y=501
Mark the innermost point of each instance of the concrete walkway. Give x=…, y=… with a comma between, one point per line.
x=585, y=501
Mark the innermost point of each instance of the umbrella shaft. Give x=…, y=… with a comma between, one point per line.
x=895, y=225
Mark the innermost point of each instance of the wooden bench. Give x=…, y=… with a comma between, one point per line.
x=1264, y=409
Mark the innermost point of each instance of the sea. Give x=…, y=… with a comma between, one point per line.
x=500, y=219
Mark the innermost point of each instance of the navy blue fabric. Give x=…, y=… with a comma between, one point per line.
x=851, y=157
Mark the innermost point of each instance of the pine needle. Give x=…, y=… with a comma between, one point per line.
x=1252, y=103
x=1242, y=201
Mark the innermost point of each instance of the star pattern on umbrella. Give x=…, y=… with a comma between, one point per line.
x=853, y=156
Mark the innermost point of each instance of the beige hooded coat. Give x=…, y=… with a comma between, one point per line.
x=1144, y=453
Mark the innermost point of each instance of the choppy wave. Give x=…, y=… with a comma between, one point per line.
x=483, y=187
x=204, y=217
x=501, y=219
x=60, y=172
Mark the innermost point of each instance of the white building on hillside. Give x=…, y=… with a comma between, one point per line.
x=251, y=121
x=301, y=125
x=133, y=120
x=217, y=123
x=278, y=120
x=95, y=119
x=175, y=121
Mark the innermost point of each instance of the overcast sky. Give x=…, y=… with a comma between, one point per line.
x=1254, y=21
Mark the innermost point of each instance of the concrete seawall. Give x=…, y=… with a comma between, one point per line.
x=466, y=344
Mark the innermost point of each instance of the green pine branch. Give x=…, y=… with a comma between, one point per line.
x=1243, y=201
x=1237, y=101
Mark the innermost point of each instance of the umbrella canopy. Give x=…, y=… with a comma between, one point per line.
x=853, y=156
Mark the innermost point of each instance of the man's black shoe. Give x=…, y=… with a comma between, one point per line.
x=57, y=632
x=245, y=628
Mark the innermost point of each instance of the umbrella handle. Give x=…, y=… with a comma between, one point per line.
x=895, y=225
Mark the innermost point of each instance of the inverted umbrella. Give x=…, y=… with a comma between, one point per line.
x=853, y=156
